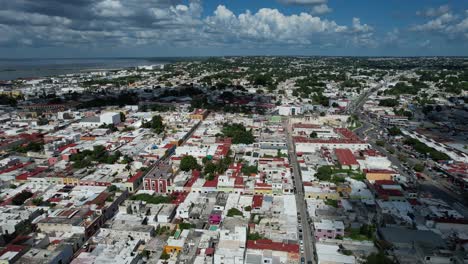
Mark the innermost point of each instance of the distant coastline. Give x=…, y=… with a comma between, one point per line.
x=11, y=69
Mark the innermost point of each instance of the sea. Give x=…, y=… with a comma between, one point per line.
x=11, y=69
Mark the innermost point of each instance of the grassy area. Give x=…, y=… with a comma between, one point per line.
x=366, y=232
x=333, y=203
x=355, y=125
x=424, y=149
x=152, y=199
x=331, y=174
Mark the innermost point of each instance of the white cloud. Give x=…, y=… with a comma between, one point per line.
x=321, y=9
x=111, y=8
x=434, y=12
x=162, y=22
x=447, y=24
x=360, y=28
x=435, y=24
x=271, y=25
x=32, y=18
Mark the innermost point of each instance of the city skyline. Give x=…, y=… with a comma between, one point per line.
x=117, y=28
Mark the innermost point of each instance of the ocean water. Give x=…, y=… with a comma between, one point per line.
x=11, y=69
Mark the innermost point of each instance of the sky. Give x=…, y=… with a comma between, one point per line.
x=167, y=28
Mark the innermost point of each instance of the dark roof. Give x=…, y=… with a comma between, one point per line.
x=396, y=235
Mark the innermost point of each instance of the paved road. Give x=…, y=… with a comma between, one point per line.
x=432, y=185
x=307, y=237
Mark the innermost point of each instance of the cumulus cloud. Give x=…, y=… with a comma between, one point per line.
x=433, y=12
x=321, y=9
x=81, y=23
x=360, y=28
x=435, y=24
x=452, y=26
x=271, y=25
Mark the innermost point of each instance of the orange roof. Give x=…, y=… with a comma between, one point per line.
x=345, y=157
x=266, y=244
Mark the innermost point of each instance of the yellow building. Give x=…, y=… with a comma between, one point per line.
x=176, y=243
x=199, y=114
x=12, y=93
x=323, y=193
x=379, y=175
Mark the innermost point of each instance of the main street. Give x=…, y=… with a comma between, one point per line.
x=372, y=130
x=307, y=237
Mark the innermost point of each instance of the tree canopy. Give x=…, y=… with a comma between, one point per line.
x=238, y=133
x=156, y=124
x=188, y=163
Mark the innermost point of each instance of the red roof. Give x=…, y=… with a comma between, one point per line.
x=12, y=248
x=168, y=146
x=346, y=133
x=385, y=182
x=135, y=177
x=266, y=244
x=371, y=152
x=179, y=197
x=209, y=251
x=62, y=148
x=100, y=199
x=191, y=181
x=15, y=167
x=261, y=185
x=257, y=201
x=212, y=183
x=300, y=125
x=379, y=171
x=345, y=157
x=26, y=175
x=238, y=182
x=328, y=141
x=222, y=150
x=198, y=111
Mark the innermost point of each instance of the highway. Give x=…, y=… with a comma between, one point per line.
x=307, y=237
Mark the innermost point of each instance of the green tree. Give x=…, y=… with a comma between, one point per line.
x=238, y=133
x=378, y=258
x=37, y=201
x=388, y=102
x=21, y=197
x=188, y=163
x=324, y=173
x=164, y=256
x=313, y=135
x=234, y=212
x=254, y=236
x=380, y=143
x=419, y=167
x=122, y=117
x=156, y=124
x=394, y=131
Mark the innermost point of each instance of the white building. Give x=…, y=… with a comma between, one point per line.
x=329, y=254
x=109, y=118
x=231, y=246
x=290, y=110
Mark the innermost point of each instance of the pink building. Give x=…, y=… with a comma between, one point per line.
x=328, y=229
x=214, y=219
